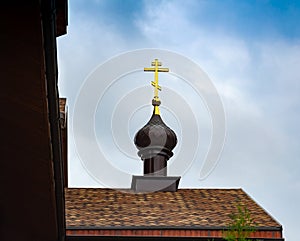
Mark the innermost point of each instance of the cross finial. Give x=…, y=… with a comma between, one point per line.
x=156, y=69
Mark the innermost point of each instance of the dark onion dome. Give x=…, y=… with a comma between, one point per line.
x=155, y=138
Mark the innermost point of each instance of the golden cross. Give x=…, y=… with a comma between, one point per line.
x=154, y=83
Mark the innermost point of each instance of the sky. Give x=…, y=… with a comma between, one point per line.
x=249, y=51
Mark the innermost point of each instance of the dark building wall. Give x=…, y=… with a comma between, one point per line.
x=28, y=204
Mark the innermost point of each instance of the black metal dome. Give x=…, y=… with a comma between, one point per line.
x=155, y=138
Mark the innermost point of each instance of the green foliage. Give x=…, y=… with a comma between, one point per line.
x=241, y=226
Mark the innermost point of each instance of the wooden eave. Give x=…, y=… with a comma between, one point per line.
x=170, y=232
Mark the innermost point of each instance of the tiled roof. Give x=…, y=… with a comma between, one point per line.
x=186, y=208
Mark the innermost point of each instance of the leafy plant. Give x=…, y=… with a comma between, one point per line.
x=241, y=226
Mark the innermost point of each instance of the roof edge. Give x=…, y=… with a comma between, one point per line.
x=274, y=219
x=278, y=228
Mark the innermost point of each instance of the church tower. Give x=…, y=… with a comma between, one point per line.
x=155, y=142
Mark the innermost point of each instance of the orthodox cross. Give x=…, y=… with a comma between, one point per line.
x=156, y=68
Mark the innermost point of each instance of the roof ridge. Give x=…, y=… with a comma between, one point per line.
x=120, y=189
